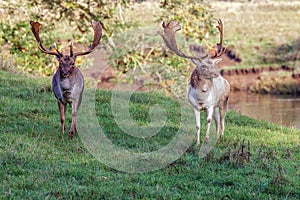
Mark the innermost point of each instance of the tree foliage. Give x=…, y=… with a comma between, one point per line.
x=53, y=14
x=195, y=16
x=82, y=12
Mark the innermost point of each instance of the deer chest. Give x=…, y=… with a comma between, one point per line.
x=66, y=90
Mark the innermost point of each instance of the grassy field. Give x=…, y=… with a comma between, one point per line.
x=263, y=33
x=37, y=162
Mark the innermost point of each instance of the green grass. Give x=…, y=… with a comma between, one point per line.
x=38, y=162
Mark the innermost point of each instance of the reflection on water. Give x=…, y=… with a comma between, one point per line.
x=284, y=110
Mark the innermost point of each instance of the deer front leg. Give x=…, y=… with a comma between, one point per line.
x=209, y=112
x=223, y=110
x=197, y=117
x=216, y=117
x=62, y=111
x=74, y=114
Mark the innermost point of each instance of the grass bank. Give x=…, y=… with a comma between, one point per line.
x=37, y=162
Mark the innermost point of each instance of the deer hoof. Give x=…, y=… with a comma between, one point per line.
x=206, y=139
x=198, y=143
x=71, y=135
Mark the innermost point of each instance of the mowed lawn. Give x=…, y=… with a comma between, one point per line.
x=38, y=162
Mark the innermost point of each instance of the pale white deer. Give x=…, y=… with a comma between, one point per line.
x=208, y=89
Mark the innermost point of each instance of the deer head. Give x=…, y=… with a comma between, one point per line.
x=205, y=63
x=66, y=62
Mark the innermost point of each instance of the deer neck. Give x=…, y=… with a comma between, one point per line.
x=67, y=83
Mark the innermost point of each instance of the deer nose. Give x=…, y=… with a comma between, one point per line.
x=64, y=74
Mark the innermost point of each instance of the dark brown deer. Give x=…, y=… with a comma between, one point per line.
x=67, y=82
x=208, y=89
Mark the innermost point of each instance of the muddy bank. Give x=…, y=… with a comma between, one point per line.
x=280, y=80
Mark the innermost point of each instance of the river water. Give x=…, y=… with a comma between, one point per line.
x=283, y=110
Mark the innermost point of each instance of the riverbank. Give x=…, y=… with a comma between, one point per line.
x=265, y=38
x=265, y=80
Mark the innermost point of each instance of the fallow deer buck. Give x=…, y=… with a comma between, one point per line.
x=67, y=82
x=208, y=89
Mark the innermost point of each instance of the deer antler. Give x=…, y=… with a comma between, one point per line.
x=220, y=50
x=168, y=34
x=97, y=36
x=35, y=28
x=71, y=49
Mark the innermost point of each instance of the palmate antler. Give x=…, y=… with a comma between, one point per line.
x=36, y=27
x=221, y=50
x=169, y=32
x=97, y=36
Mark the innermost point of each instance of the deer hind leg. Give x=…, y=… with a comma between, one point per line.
x=223, y=110
x=197, y=117
x=74, y=114
x=62, y=111
x=216, y=117
x=209, y=112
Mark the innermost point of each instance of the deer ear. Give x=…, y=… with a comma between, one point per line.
x=216, y=61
